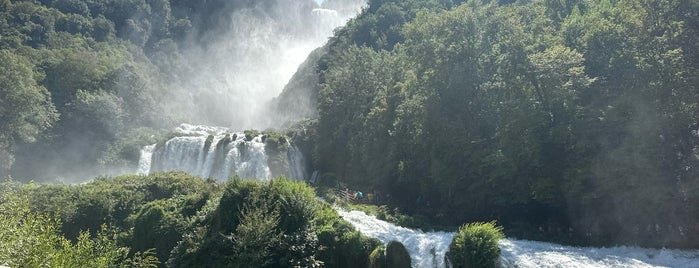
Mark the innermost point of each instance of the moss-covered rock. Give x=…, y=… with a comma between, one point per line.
x=250, y=134
x=276, y=148
x=377, y=258
x=207, y=143
x=396, y=255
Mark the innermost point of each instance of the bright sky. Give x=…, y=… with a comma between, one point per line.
x=319, y=1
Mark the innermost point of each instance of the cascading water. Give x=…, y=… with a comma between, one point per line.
x=428, y=249
x=219, y=153
x=297, y=163
x=208, y=152
x=243, y=69
x=145, y=160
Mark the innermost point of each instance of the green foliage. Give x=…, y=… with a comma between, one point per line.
x=476, y=245
x=179, y=220
x=537, y=112
x=345, y=247
x=279, y=223
x=256, y=234
x=32, y=239
x=25, y=107
x=118, y=201
x=251, y=134
x=160, y=224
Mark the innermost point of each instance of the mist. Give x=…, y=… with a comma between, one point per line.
x=222, y=68
x=233, y=72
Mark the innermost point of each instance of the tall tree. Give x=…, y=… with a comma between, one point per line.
x=25, y=107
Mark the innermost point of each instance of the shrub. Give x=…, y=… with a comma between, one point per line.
x=278, y=223
x=32, y=239
x=159, y=225
x=476, y=245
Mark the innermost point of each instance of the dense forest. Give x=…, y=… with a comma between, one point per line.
x=569, y=120
x=566, y=120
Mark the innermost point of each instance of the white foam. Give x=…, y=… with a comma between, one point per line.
x=427, y=249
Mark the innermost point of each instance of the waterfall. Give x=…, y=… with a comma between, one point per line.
x=145, y=160
x=297, y=164
x=427, y=249
x=208, y=152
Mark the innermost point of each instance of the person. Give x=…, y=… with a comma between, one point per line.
x=360, y=195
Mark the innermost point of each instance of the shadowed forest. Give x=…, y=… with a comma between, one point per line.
x=569, y=119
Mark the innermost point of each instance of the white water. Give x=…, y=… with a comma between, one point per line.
x=231, y=80
x=297, y=164
x=145, y=160
x=229, y=153
x=523, y=253
x=428, y=249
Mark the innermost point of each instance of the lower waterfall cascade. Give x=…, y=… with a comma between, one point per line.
x=217, y=153
x=427, y=249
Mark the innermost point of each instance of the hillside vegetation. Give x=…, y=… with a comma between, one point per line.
x=175, y=220
x=561, y=119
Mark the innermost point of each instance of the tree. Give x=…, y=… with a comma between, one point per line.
x=32, y=239
x=25, y=107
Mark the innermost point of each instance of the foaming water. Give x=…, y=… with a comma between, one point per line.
x=427, y=249
x=219, y=153
x=209, y=152
x=523, y=253
x=145, y=160
x=297, y=163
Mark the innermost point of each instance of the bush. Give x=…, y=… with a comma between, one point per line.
x=396, y=255
x=278, y=223
x=476, y=245
x=159, y=225
x=31, y=239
